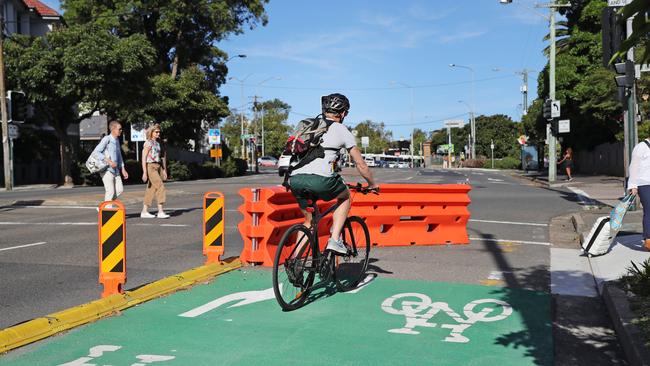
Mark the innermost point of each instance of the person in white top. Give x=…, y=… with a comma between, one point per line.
x=319, y=177
x=639, y=183
x=154, y=169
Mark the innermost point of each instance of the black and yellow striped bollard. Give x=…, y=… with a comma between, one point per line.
x=112, y=247
x=213, y=226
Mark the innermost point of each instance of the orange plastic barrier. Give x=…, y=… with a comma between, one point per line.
x=112, y=247
x=213, y=226
x=403, y=214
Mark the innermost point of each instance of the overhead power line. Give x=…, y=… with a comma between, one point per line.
x=400, y=123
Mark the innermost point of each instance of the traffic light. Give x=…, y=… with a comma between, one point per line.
x=625, y=71
x=613, y=31
x=17, y=106
x=547, y=109
x=555, y=127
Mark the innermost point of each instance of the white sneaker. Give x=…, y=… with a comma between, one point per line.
x=161, y=215
x=336, y=246
x=146, y=215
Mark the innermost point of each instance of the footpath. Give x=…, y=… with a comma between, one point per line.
x=597, y=195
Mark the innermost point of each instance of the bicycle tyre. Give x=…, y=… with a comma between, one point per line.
x=350, y=269
x=291, y=281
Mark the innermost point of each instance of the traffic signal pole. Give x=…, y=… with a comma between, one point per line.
x=629, y=118
x=552, y=157
x=6, y=153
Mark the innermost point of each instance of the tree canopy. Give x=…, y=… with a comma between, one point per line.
x=379, y=138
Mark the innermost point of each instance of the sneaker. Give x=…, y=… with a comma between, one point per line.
x=336, y=246
x=161, y=215
x=570, y=179
x=146, y=215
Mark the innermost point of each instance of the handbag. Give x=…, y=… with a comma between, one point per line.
x=95, y=165
x=618, y=213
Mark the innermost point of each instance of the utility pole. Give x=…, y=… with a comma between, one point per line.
x=524, y=88
x=552, y=141
x=629, y=118
x=7, y=160
x=254, y=143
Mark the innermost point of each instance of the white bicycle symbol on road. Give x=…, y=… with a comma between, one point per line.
x=419, y=309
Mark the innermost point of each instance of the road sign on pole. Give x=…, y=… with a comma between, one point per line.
x=454, y=123
x=564, y=126
x=365, y=141
x=555, y=109
x=214, y=136
x=617, y=3
x=14, y=132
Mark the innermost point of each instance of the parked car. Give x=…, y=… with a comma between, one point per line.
x=283, y=164
x=267, y=161
x=370, y=162
x=403, y=164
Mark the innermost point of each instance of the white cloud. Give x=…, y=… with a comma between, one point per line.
x=459, y=36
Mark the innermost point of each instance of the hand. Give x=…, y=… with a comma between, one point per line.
x=634, y=191
x=164, y=175
x=112, y=163
x=125, y=174
x=144, y=177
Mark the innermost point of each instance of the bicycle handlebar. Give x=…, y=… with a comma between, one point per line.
x=363, y=190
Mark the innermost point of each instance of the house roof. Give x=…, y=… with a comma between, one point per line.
x=41, y=9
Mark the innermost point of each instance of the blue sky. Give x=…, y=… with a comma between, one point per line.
x=370, y=50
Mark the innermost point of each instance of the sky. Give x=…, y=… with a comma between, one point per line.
x=390, y=58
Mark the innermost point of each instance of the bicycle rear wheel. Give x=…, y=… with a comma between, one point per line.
x=350, y=269
x=293, y=269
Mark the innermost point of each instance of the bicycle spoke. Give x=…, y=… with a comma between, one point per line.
x=350, y=269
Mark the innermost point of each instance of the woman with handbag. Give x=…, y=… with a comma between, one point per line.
x=639, y=183
x=154, y=170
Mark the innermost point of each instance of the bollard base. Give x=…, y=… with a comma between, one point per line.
x=213, y=258
x=112, y=287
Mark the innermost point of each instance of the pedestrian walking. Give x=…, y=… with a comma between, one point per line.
x=639, y=183
x=109, y=150
x=154, y=173
x=567, y=159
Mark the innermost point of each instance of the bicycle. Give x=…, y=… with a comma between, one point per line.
x=298, y=258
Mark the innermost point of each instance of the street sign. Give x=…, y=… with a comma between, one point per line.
x=214, y=136
x=216, y=153
x=14, y=132
x=615, y=3
x=365, y=141
x=138, y=134
x=564, y=126
x=555, y=109
x=454, y=123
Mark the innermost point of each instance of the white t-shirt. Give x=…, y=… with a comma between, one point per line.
x=337, y=136
x=639, y=166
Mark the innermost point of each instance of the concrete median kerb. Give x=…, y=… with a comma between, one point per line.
x=40, y=328
x=618, y=306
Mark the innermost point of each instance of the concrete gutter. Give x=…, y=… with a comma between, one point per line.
x=629, y=335
x=40, y=328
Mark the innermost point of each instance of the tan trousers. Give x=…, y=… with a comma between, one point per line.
x=155, y=185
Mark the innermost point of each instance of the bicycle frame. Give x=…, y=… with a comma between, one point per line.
x=313, y=230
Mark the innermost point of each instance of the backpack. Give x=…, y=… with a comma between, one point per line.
x=304, y=144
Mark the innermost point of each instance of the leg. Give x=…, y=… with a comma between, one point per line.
x=340, y=214
x=300, y=236
x=568, y=171
x=109, y=185
x=644, y=195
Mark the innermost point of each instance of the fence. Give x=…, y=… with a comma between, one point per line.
x=606, y=159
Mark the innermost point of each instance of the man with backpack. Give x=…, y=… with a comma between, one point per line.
x=315, y=147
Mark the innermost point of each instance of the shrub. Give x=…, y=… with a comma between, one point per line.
x=507, y=163
x=637, y=279
x=474, y=163
x=234, y=167
x=211, y=170
x=82, y=176
x=178, y=170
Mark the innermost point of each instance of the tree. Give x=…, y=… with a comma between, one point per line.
x=275, y=114
x=379, y=138
x=231, y=133
x=502, y=130
x=419, y=137
x=80, y=64
x=184, y=34
x=640, y=10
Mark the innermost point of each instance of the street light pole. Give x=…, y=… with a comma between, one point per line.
x=258, y=85
x=3, y=107
x=412, y=113
x=472, y=120
x=241, y=113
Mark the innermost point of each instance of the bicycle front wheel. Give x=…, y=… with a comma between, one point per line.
x=293, y=269
x=350, y=269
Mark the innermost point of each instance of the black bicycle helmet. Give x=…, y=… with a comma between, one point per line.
x=335, y=103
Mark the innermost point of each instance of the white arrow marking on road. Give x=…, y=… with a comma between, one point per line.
x=495, y=180
x=24, y=246
x=246, y=297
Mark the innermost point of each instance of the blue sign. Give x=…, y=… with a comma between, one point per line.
x=214, y=136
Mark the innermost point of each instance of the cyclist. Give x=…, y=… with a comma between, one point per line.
x=319, y=179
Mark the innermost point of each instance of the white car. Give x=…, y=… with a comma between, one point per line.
x=370, y=162
x=283, y=164
x=267, y=161
x=403, y=164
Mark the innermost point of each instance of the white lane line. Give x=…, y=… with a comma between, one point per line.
x=83, y=224
x=24, y=246
x=495, y=180
x=55, y=206
x=508, y=222
x=512, y=241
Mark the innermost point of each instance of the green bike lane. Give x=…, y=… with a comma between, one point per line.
x=235, y=320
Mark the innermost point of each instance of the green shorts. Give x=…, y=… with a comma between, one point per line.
x=307, y=186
